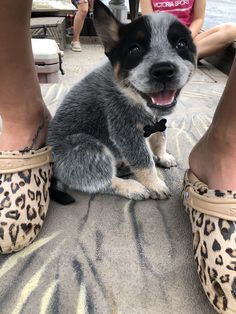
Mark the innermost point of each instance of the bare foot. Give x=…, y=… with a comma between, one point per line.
x=26, y=133
x=213, y=160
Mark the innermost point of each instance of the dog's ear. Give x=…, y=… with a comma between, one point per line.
x=106, y=25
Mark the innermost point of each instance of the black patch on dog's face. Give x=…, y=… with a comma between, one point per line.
x=180, y=39
x=133, y=45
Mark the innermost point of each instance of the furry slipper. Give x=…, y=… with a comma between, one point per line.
x=213, y=217
x=24, y=196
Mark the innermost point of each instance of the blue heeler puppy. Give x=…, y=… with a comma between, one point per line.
x=99, y=125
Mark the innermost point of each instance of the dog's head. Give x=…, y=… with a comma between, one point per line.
x=153, y=56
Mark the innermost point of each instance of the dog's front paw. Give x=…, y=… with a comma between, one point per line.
x=166, y=161
x=159, y=190
x=130, y=188
x=136, y=191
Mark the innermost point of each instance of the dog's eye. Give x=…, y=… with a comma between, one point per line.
x=135, y=51
x=181, y=44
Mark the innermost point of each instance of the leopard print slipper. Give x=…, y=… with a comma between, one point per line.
x=213, y=217
x=24, y=196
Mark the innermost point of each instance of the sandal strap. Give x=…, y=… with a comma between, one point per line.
x=11, y=162
x=218, y=207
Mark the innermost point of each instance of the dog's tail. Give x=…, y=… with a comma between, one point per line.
x=58, y=194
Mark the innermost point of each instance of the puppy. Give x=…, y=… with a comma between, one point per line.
x=100, y=123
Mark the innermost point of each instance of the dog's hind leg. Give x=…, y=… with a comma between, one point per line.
x=158, y=145
x=83, y=163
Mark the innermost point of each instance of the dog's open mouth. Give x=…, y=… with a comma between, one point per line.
x=164, y=97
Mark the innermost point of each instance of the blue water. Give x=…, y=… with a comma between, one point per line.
x=219, y=11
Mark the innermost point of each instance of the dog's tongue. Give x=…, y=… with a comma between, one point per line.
x=164, y=97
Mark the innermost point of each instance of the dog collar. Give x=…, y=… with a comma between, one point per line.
x=158, y=126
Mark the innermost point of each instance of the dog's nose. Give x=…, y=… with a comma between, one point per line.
x=163, y=71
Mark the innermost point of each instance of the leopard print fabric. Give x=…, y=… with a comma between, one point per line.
x=24, y=199
x=214, y=245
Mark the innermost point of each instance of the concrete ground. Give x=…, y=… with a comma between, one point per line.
x=106, y=254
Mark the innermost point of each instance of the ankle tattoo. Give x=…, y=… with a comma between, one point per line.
x=35, y=138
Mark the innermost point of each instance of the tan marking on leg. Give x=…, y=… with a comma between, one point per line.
x=158, y=144
x=149, y=178
x=129, y=188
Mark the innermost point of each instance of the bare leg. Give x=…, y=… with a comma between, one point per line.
x=21, y=105
x=215, y=39
x=213, y=159
x=79, y=20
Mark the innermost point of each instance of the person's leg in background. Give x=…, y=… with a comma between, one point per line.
x=215, y=39
x=22, y=110
x=25, y=161
x=79, y=19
